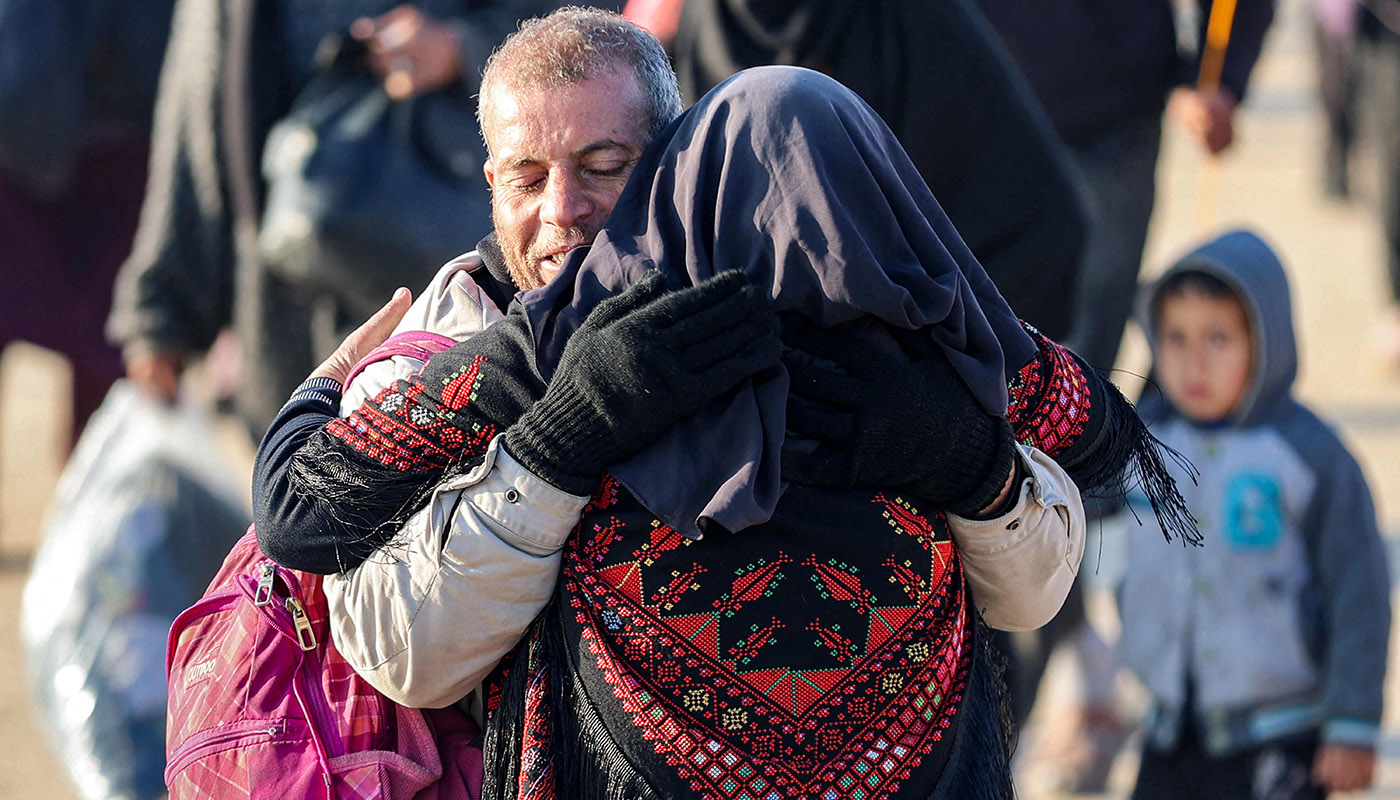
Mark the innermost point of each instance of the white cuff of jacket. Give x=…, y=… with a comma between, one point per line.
x=1020, y=566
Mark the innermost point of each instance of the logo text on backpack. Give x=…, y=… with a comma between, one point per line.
x=198, y=672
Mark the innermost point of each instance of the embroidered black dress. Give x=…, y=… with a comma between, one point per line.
x=825, y=653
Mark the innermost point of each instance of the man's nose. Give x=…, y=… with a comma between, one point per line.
x=566, y=201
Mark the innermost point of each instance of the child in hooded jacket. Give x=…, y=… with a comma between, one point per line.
x=1264, y=651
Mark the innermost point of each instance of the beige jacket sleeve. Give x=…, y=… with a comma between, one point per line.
x=1020, y=566
x=425, y=622
x=481, y=587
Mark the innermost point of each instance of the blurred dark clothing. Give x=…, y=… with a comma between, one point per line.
x=233, y=69
x=1358, y=54
x=1119, y=168
x=1378, y=16
x=1338, y=78
x=1278, y=771
x=1336, y=25
x=77, y=87
x=75, y=73
x=59, y=257
x=1103, y=71
x=937, y=75
x=1380, y=90
x=1094, y=63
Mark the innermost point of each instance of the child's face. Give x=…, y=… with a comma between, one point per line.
x=1204, y=353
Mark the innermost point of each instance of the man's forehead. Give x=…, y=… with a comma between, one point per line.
x=579, y=115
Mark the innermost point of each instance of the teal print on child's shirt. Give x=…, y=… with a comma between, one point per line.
x=1253, y=512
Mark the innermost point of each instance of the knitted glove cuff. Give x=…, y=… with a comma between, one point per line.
x=1019, y=473
x=563, y=439
x=1001, y=444
x=973, y=468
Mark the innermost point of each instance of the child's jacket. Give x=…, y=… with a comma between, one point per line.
x=1281, y=620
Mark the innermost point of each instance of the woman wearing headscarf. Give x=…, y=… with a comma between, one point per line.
x=815, y=642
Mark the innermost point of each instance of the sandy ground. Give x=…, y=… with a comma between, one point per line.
x=33, y=431
x=1270, y=182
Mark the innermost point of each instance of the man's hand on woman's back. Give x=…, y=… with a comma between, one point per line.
x=364, y=339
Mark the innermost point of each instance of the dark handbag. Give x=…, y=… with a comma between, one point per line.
x=364, y=193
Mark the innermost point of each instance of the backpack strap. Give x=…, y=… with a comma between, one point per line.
x=414, y=344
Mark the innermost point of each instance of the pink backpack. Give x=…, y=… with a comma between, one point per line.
x=262, y=705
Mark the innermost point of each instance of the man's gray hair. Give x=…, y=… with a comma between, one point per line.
x=574, y=44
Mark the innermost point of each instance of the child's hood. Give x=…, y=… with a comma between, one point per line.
x=1246, y=264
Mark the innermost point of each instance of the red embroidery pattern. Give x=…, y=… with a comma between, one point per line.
x=1049, y=399
x=605, y=495
x=536, y=780
x=704, y=681
x=403, y=429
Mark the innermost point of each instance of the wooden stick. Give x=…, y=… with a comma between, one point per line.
x=1218, y=29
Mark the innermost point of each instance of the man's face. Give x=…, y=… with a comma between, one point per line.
x=559, y=159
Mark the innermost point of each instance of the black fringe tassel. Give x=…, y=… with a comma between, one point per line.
x=979, y=766
x=1125, y=455
x=370, y=501
x=587, y=762
x=505, y=728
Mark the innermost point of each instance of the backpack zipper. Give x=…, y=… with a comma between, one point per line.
x=306, y=637
x=324, y=729
x=217, y=740
x=267, y=575
x=317, y=707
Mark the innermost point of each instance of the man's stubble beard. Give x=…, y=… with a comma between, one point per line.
x=522, y=264
x=524, y=276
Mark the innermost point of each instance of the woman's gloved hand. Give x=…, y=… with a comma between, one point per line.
x=887, y=423
x=641, y=361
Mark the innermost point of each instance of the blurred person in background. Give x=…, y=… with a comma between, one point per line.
x=1335, y=29
x=1105, y=73
x=77, y=85
x=1378, y=28
x=1265, y=653
x=233, y=69
x=937, y=76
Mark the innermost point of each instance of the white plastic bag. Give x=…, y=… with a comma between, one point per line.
x=142, y=517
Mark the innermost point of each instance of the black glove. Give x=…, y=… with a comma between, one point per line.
x=883, y=422
x=637, y=364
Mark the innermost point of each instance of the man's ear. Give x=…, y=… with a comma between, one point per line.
x=490, y=170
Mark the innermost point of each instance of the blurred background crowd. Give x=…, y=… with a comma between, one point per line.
x=187, y=199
